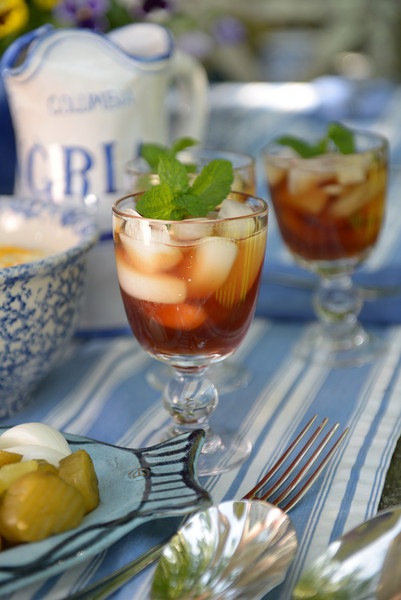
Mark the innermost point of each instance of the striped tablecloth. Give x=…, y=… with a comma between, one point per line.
x=100, y=389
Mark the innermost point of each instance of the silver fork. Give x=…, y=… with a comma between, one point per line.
x=295, y=489
x=298, y=486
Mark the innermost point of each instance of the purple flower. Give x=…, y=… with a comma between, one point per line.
x=89, y=14
x=150, y=5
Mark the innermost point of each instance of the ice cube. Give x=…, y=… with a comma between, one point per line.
x=184, y=316
x=190, y=230
x=230, y=209
x=214, y=259
x=310, y=202
x=146, y=230
x=161, y=288
x=332, y=189
x=130, y=225
x=235, y=228
x=150, y=256
x=371, y=188
x=301, y=180
x=350, y=202
x=352, y=169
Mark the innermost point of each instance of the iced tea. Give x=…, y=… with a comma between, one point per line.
x=330, y=207
x=190, y=287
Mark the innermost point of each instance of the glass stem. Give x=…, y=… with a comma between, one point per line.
x=338, y=303
x=190, y=398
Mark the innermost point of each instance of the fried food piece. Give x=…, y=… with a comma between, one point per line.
x=37, y=505
x=13, y=471
x=8, y=458
x=77, y=469
x=44, y=465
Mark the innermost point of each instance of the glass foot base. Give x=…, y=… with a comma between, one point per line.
x=227, y=376
x=358, y=349
x=222, y=451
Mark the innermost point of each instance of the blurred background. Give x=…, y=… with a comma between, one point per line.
x=344, y=56
x=244, y=40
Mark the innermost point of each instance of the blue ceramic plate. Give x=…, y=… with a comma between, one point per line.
x=135, y=486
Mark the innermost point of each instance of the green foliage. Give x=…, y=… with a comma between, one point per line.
x=175, y=198
x=153, y=152
x=337, y=137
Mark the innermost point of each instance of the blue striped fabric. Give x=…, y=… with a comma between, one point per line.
x=100, y=389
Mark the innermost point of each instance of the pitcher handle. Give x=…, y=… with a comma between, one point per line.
x=186, y=77
x=190, y=98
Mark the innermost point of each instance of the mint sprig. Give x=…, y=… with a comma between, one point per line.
x=337, y=138
x=175, y=198
x=342, y=137
x=153, y=152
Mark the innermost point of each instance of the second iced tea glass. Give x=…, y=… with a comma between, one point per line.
x=330, y=211
x=189, y=290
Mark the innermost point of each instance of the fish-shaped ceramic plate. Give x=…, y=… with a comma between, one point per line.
x=136, y=485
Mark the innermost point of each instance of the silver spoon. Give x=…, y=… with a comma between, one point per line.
x=363, y=564
x=234, y=550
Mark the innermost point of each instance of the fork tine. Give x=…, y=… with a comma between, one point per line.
x=302, y=491
x=304, y=470
x=252, y=493
x=268, y=493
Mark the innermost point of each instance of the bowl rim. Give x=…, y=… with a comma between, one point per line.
x=75, y=217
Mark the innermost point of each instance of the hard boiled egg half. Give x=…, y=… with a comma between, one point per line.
x=35, y=441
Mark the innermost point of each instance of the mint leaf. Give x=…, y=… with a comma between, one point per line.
x=182, y=143
x=157, y=202
x=174, y=174
x=152, y=153
x=213, y=184
x=338, y=135
x=174, y=198
x=189, y=206
x=342, y=137
x=304, y=149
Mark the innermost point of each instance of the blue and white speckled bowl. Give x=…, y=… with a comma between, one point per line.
x=40, y=300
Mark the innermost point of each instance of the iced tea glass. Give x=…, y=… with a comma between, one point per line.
x=229, y=375
x=138, y=177
x=330, y=210
x=189, y=290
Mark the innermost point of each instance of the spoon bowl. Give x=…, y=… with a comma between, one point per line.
x=362, y=564
x=238, y=549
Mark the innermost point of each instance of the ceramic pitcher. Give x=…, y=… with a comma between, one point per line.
x=81, y=104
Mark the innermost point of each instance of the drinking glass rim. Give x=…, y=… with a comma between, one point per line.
x=220, y=153
x=382, y=142
x=264, y=210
